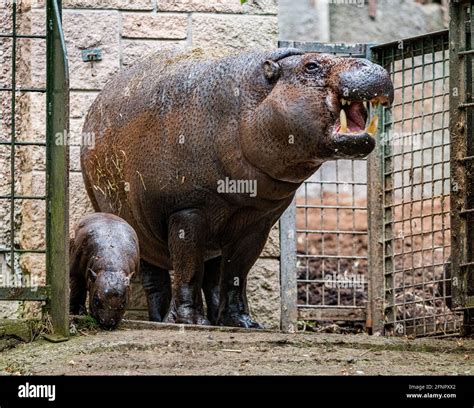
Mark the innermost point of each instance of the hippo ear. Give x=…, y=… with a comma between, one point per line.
x=92, y=274
x=271, y=70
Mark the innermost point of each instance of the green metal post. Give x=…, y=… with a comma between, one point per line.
x=57, y=162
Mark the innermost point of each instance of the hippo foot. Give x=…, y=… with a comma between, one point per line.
x=239, y=320
x=186, y=315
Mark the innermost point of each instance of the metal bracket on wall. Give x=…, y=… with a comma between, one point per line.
x=91, y=55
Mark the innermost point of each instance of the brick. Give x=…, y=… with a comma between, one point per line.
x=237, y=33
x=75, y=131
x=35, y=63
x=272, y=247
x=85, y=30
x=35, y=264
x=37, y=117
x=79, y=203
x=5, y=18
x=31, y=158
x=5, y=65
x=80, y=103
x=134, y=50
x=38, y=3
x=155, y=26
x=110, y=4
x=38, y=21
x=33, y=226
x=219, y=6
x=263, y=292
x=74, y=158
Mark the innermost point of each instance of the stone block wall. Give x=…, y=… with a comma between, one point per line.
x=124, y=31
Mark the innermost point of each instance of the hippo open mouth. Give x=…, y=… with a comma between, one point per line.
x=355, y=129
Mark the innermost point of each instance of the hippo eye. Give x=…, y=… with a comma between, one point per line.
x=311, y=67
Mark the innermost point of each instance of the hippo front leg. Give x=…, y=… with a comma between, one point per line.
x=157, y=285
x=238, y=260
x=186, y=237
x=78, y=294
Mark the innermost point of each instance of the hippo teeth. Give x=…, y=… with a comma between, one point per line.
x=372, y=128
x=343, y=120
x=353, y=117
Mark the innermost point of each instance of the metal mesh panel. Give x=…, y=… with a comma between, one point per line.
x=22, y=151
x=416, y=186
x=331, y=215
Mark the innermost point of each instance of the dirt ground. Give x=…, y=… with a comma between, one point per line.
x=158, y=349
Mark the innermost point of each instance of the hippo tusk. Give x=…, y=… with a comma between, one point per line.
x=343, y=119
x=372, y=128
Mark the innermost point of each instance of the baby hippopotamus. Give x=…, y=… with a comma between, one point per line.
x=104, y=255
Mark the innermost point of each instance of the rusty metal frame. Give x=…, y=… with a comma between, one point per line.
x=462, y=159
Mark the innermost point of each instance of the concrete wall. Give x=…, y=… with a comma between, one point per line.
x=349, y=20
x=126, y=30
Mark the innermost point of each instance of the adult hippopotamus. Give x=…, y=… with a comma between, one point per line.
x=104, y=255
x=202, y=155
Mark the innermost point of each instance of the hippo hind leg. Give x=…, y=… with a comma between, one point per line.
x=240, y=257
x=157, y=285
x=210, y=287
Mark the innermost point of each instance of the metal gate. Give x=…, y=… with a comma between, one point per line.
x=50, y=146
x=415, y=165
